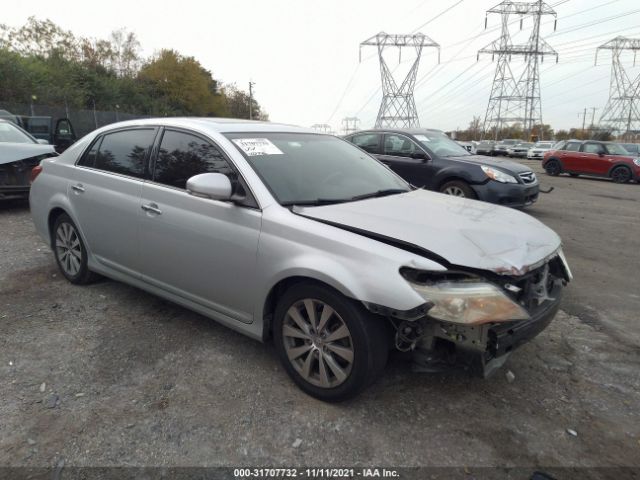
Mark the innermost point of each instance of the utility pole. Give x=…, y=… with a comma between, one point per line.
x=621, y=115
x=516, y=98
x=584, y=119
x=251, y=84
x=398, y=108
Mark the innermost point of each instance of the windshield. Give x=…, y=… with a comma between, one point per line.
x=306, y=168
x=615, y=149
x=12, y=134
x=440, y=145
x=544, y=145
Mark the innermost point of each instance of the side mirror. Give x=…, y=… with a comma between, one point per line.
x=601, y=153
x=420, y=155
x=216, y=186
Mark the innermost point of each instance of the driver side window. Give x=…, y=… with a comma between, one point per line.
x=399, y=146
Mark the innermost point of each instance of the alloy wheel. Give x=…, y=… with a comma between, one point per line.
x=455, y=191
x=68, y=249
x=318, y=343
x=621, y=175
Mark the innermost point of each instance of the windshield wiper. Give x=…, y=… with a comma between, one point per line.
x=380, y=193
x=316, y=202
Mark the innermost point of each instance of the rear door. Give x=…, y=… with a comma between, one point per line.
x=200, y=249
x=105, y=195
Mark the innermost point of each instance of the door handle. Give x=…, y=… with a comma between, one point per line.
x=151, y=207
x=78, y=188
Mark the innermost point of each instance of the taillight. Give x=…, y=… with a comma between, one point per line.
x=35, y=171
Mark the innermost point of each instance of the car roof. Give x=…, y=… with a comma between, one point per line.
x=409, y=131
x=220, y=125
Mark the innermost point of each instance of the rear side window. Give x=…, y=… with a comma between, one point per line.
x=367, y=141
x=89, y=158
x=572, y=146
x=183, y=155
x=124, y=152
x=592, y=148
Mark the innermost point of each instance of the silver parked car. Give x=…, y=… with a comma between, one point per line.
x=287, y=234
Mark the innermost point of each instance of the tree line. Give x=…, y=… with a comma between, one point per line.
x=42, y=61
x=474, y=132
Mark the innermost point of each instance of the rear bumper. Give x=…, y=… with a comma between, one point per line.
x=532, y=156
x=9, y=192
x=508, y=194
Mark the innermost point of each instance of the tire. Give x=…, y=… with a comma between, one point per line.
x=621, y=174
x=458, y=188
x=309, y=357
x=70, y=252
x=553, y=168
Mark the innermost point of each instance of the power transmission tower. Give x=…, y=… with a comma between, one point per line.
x=516, y=98
x=621, y=115
x=350, y=125
x=321, y=127
x=398, y=108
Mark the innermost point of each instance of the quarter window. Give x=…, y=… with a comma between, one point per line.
x=399, y=146
x=367, y=141
x=592, y=148
x=182, y=156
x=572, y=146
x=124, y=152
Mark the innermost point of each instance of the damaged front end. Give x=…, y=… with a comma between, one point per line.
x=15, y=177
x=477, y=318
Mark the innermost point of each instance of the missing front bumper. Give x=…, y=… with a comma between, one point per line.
x=481, y=349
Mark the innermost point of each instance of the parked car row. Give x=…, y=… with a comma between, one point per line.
x=303, y=238
x=429, y=159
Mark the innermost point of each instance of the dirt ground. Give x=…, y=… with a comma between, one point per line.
x=107, y=375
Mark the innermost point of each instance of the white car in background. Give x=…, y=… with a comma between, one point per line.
x=538, y=150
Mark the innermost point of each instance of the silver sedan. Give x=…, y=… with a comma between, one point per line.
x=302, y=239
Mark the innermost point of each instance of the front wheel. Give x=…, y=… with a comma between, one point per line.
x=457, y=188
x=621, y=175
x=329, y=345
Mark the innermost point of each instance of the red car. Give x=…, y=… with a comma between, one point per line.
x=593, y=158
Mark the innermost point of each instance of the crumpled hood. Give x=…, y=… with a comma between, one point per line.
x=12, y=152
x=464, y=232
x=506, y=165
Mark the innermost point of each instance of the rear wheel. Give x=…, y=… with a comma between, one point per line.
x=458, y=188
x=329, y=345
x=70, y=252
x=621, y=174
x=553, y=168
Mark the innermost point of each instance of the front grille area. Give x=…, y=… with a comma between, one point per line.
x=527, y=177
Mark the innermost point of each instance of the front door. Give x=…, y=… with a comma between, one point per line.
x=593, y=159
x=400, y=153
x=200, y=249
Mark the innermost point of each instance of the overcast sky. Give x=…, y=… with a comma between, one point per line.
x=303, y=55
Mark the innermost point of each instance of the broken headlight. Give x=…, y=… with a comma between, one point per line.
x=469, y=303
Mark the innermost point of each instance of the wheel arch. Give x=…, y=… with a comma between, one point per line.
x=282, y=285
x=617, y=165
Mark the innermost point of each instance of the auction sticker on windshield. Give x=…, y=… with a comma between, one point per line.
x=422, y=138
x=257, y=146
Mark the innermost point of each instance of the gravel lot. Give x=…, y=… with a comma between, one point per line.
x=108, y=375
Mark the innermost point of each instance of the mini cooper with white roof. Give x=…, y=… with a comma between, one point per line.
x=303, y=239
